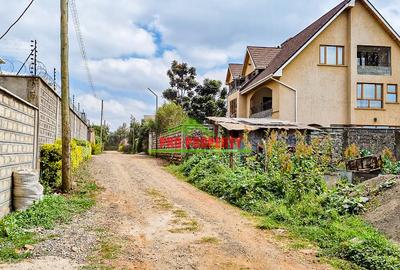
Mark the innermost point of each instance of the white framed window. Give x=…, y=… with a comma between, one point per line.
x=331, y=55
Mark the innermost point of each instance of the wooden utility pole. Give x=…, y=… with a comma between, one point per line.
x=66, y=129
x=101, y=123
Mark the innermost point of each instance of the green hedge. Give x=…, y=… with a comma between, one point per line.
x=50, y=161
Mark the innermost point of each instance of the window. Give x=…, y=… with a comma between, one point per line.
x=331, y=55
x=373, y=60
x=391, y=95
x=369, y=96
x=233, y=108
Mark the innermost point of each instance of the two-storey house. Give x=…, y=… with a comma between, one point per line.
x=342, y=70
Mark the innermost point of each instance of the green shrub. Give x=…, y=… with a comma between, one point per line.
x=97, y=149
x=289, y=191
x=50, y=165
x=345, y=198
x=389, y=163
x=50, y=161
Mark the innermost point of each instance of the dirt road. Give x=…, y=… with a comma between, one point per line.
x=148, y=219
x=168, y=224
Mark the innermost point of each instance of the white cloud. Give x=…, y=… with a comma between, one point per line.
x=216, y=74
x=132, y=74
x=131, y=44
x=116, y=111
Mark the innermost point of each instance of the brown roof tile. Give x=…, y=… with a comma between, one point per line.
x=292, y=45
x=262, y=56
x=236, y=69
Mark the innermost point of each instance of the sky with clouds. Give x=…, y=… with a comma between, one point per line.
x=131, y=43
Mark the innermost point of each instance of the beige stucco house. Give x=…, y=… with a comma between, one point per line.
x=342, y=70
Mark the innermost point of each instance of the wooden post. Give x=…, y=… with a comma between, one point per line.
x=66, y=128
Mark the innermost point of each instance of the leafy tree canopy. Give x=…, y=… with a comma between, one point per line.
x=209, y=100
x=169, y=115
x=182, y=81
x=198, y=101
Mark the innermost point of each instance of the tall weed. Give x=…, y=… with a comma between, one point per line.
x=286, y=187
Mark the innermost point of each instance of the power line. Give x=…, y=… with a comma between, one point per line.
x=19, y=18
x=79, y=36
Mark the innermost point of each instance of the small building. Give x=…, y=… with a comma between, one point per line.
x=256, y=128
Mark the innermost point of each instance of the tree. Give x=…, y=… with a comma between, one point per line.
x=198, y=101
x=117, y=136
x=209, y=100
x=182, y=83
x=139, y=135
x=134, y=131
x=169, y=115
x=106, y=133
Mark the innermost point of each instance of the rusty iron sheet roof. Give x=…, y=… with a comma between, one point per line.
x=237, y=127
x=252, y=124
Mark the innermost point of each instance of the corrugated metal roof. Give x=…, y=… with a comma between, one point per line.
x=252, y=124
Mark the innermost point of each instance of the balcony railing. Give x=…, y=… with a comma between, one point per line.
x=262, y=114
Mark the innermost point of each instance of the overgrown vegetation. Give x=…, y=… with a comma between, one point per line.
x=50, y=161
x=287, y=190
x=17, y=230
x=389, y=163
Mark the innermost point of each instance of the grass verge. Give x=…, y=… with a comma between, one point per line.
x=17, y=230
x=108, y=249
x=297, y=201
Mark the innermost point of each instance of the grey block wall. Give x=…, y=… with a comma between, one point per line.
x=18, y=141
x=30, y=116
x=47, y=114
x=37, y=92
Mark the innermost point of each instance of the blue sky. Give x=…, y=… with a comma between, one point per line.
x=130, y=43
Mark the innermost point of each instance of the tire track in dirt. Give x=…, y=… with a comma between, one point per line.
x=169, y=224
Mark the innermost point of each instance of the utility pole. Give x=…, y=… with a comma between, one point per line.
x=155, y=94
x=66, y=128
x=101, y=123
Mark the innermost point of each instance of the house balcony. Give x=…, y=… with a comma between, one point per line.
x=260, y=112
x=261, y=104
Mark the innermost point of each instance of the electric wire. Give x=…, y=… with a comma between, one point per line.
x=19, y=18
x=81, y=43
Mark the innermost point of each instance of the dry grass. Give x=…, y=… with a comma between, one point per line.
x=208, y=240
x=159, y=199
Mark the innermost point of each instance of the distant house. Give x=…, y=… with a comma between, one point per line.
x=342, y=70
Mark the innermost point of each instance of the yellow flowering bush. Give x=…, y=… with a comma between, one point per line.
x=50, y=161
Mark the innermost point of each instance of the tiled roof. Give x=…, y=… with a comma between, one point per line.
x=236, y=69
x=294, y=44
x=262, y=56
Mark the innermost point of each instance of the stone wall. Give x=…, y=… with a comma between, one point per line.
x=18, y=142
x=372, y=139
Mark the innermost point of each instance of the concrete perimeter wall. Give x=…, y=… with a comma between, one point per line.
x=18, y=142
x=30, y=116
x=37, y=92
